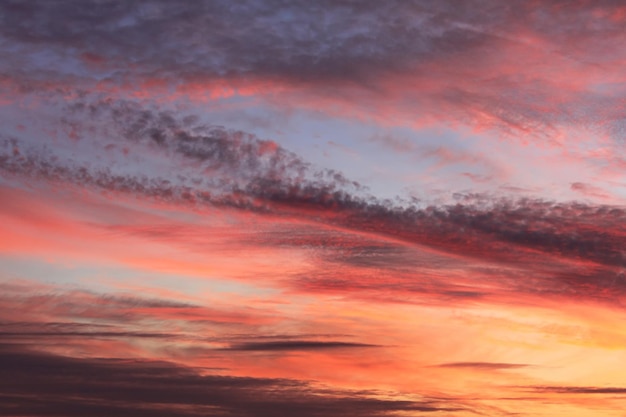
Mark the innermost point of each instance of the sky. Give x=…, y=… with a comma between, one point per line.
x=315, y=208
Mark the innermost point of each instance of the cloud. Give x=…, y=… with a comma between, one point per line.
x=487, y=366
x=531, y=72
x=576, y=390
x=123, y=132
x=441, y=156
x=104, y=169
x=590, y=190
x=294, y=345
x=34, y=383
x=49, y=330
x=573, y=249
x=74, y=317
x=265, y=42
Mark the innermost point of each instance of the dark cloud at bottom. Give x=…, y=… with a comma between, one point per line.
x=40, y=384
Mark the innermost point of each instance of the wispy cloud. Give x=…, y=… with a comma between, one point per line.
x=286, y=345
x=578, y=390
x=488, y=366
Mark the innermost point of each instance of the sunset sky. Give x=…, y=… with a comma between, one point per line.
x=312, y=208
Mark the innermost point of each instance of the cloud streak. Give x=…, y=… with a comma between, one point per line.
x=289, y=345
x=488, y=366
x=50, y=385
x=233, y=170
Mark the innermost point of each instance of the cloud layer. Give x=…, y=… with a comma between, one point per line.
x=534, y=68
x=331, y=208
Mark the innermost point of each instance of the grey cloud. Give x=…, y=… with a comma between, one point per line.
x=194, y=39
x=327, y=49
x=33, y=383
x=295, y=345
x=576, y=390
x=251, y=174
